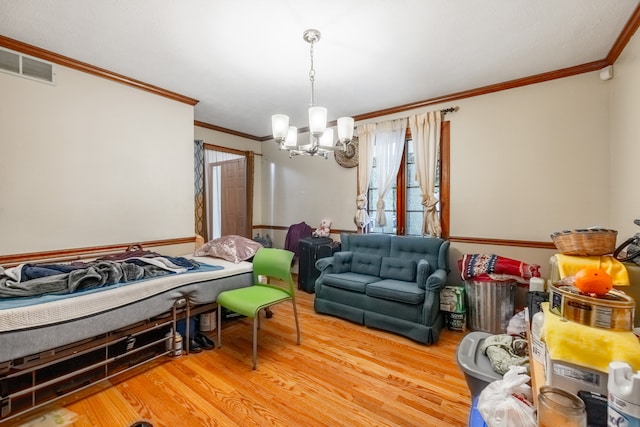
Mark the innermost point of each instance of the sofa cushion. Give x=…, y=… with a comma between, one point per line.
x=368, y=264
x=396, y=290
x=377, y=244
x=342, y=262
x=398, y=268
x=417, y=248
x=350, y=281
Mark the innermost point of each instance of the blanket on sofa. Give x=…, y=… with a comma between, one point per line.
x=474, y=266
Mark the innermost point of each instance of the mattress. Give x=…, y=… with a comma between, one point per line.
x=41, y=326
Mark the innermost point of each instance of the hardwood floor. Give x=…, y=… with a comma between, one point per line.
x=341, y=375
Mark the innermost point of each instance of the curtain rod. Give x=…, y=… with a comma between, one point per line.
x=450, y=110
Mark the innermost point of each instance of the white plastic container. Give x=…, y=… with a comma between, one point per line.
x=174, y=343
x=538, y=348
x=536, y=284
x=624, y=396
x=208, y=321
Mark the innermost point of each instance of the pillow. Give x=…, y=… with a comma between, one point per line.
x=231, y=248
x=398, y=269
x=342, y=262
x=368, y=264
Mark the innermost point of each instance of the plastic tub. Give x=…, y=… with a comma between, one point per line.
x=476, y=366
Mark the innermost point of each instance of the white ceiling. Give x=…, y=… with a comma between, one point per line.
x=245, y=60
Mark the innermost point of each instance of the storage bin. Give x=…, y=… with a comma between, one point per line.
x=476, y=366
x=490, y=305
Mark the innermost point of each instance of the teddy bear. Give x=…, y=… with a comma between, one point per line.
x=324, y=230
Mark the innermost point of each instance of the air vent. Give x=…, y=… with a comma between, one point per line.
x=25, y=66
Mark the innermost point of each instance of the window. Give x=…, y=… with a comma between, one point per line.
x=403, y=202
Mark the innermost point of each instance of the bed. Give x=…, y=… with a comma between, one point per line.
x=52, y=345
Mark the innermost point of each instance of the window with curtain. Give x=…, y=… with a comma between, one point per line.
x=390, y=206
x=403, y=201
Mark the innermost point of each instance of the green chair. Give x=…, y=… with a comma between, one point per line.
x=273, y=264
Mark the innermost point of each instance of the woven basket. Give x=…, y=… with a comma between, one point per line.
x=585, y=242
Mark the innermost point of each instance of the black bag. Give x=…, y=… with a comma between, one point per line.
x=632, y=246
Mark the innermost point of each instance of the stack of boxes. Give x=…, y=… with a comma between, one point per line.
x=452, y=303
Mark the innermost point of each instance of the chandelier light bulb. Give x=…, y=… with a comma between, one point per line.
x=292, y=137
x=279, y=126
x=317, y=120
x=326, y=140
x=345, y=129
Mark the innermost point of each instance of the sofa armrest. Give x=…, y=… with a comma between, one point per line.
x=423, y=272
x=436, y=280
x=324, y=263
x=431, y=307
x=443, y=256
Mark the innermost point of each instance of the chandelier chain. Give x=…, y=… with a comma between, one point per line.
x=312, y=75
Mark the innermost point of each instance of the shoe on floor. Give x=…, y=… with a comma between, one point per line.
x=194, y=346
x=205, y=342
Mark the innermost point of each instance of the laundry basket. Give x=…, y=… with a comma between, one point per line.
x=490, y=304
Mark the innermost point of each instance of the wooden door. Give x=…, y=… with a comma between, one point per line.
x=233, y=197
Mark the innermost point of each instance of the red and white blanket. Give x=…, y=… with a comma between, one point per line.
x=485, y=267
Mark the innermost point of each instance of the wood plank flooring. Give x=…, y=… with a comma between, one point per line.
x=341, y=375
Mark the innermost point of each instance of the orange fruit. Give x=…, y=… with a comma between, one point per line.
x=593, y=280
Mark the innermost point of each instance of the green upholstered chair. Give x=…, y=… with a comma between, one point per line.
x=272, y=264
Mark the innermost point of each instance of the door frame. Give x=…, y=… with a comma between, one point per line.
x=250, y=158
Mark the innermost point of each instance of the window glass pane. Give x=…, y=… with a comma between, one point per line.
x=414, y=199
x=372, y=197
x=414, y=223
x=411, y=175
x=390, y=228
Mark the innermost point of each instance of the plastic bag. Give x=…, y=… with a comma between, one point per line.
x=517, y=324
x=507, y=402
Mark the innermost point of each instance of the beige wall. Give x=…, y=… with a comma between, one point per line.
x=625, y=141
x=307, y=189
x=89, y=162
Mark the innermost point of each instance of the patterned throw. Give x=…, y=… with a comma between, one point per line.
x=495, y=267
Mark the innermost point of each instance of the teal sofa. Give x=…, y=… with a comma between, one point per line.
x=386, y=282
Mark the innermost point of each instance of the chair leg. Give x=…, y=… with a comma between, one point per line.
x=295, y=315
x=219, y=326
x=254, y=360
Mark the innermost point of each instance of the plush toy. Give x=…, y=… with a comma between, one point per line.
x=324, y=230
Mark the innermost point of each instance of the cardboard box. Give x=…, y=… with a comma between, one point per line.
x=452, y=299
x=456, y=321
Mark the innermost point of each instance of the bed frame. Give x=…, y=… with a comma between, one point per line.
x=67, y=357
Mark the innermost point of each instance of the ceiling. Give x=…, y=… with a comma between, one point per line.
x=245, y=60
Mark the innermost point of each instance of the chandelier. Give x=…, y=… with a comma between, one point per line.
x=321, y=138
